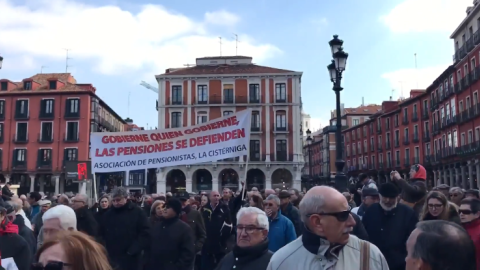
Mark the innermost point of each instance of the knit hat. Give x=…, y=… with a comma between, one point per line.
x=369, y=192
x=175, y=205
x=389, y=190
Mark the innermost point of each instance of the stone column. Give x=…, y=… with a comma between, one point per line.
x=189, y=184
x=477, y=175
x=457, y=176
x=215, y=184
x=452, y=181
x=127, y=178
x=57, y=184
x=146, y=178
x=470, y=174
x=7, y=178
x=161, y=182
x=440, y=176
x=463, y=176
x=32, y=182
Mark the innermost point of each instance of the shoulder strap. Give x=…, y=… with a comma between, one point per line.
x=364, y=255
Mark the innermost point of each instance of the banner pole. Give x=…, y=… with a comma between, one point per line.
x=95, y=196
x=244, y=191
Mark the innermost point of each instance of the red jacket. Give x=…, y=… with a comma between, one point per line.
x=473, y=229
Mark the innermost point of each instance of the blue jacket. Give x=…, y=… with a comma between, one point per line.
x=280, y=233
x=35, y=210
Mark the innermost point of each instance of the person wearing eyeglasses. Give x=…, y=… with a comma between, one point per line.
x=469, y=211
x=437, y=207
x=282, y=230
x=388, y=224
x=327, y=242
x=12, y=245
x=251, y=249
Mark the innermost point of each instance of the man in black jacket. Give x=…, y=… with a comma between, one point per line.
x=172, y=242
x=195, y=220
x=86, y=222
x=6, y=193
x=290, y=211
x=23, y=231
x=125, y=231
x=251, y=249
x=13, y=245
x=218, y=225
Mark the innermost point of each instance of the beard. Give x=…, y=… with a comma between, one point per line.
x=386, y=207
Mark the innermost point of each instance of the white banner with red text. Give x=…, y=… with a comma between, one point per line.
x=226, y=137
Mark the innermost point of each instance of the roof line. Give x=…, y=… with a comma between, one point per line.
x=166, y=75
x=464, y=21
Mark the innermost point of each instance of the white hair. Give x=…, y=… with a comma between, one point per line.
x=262, y=218
x=312, y=204
x=66, y=215
x=273, y=197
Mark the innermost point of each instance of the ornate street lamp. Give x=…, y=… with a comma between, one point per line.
x=1, y=61
x=336, y=69
x=309, y=142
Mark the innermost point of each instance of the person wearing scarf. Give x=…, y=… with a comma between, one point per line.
x=172, y=242
x=13, y=245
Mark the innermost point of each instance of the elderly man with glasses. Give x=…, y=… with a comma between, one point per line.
x=326, y=242
x=251, y=249
x=282, y=230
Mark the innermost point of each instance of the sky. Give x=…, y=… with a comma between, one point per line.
x=118, y=43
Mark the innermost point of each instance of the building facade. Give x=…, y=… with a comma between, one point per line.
x=219, y=86
x=46, y=120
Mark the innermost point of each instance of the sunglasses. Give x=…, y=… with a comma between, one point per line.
x=50, y=266
x=340, y=216
x=465, y=212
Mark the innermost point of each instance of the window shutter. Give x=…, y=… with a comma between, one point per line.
x=39, y=157
x=14, y=159
x=79, y=107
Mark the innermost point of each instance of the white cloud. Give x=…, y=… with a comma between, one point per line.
x=426, y=15
x=221, y=17
x=116, y=40
x=318, y=124
x=408, y=79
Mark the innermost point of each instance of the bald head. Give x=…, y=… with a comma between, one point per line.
x=269, y=192
x=320, y=199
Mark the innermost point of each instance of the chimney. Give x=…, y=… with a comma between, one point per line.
x=363, y=102
x=390, y=98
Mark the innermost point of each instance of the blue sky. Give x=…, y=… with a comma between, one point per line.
x=117, y=44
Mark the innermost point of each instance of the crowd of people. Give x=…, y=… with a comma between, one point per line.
x=396, y=225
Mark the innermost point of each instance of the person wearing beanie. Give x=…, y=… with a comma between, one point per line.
x=389, y=225
x=415, y=189
x=172, y=242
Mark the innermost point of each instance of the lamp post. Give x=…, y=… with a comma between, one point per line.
x=1, y=61
x=309, y=142
x=336, y=69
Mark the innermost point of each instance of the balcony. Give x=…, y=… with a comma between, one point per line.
x=426, y=136
x=379, y=148
x=415, y=138
x=46, y=116
x=219, y=99
x=20, y=138
x=389, y=164
x=396, y=143
x=44, y=139
x=447, y=152
x=397, y=164
x=19, y=165
x=72, y=115
x=280, y=129
x=388, y=145
x=468, y=149
x=406, y=141
x=44, y=165
x=405, y=121
x=70, y=138
x=435, y=128
x=449, y=91
x=255, y=129
x=22, y=116
x=395, y=123
x=467, y=114
x=407, y=162
x=372, y=148
x=371, y=166
x=425, y=115
x=379, y=130
x=415, y=117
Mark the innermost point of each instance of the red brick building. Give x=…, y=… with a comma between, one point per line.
x=46, y=120
x=219, y=86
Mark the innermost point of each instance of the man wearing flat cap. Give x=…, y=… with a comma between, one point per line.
x=290, y=211
x=194, y=219
x=389, y=225
x=370, y=196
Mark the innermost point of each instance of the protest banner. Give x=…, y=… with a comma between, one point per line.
x=222, y=138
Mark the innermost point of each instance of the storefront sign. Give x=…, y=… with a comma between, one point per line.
x=222, y=138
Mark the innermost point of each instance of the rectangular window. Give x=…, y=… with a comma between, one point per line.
x=2, y=109
x=254, y=150
x=254, y=93
x=280, y=92
x=52, y=85
x=20, y=156
x=176, y=119
x=228, y=93
x=355, y=122
x=46, y=108
x=177, y=95
x=44, y=157
x=470, y=136
x=397, y=158
x=1, y=133
x=202, y=94
x=73, y=107
x=22, y=132
x=21, y=109
x=27, y=85
x=281, y=121
x=281, y=150
x=4, y=86
x=255, y=123
x=202, y=118
x=46, y=134
x=407, y=157
x=70, y=154
x=387, y=123
x=72, y=132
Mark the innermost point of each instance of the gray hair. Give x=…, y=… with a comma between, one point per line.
x=82, y=197
x=312, y=204
x=262, y=218
x=16, y=204
x=63, y=198
x=457, y=189
x=119, y=192
x=273, y=197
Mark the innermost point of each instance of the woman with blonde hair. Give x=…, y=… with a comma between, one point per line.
x=437, y=207
x=73, y=251
x=156, y=212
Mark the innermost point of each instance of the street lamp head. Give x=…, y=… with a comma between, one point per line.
x=1, y=61
x=308, y=132
x=332, y=71
x=335, y=44
x=340, y=58
x=309, y=140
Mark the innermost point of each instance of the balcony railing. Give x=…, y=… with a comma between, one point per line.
x=396, y=143
x=388, y=145
x=372, y=148
x=44, y=138
x=379, y=130
x=427, y=159
x=447, y=152
x=415, y=138
x=468, y=149
x=379, y=148
x=254, y=129
x=426, y=136
x=404, y=121
x=20, y=138
x=44, y=165
x=415, y=160
x=19, y=165
x=406, y=141
x=415, y=117
x=70, y=137
x=407, y=162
